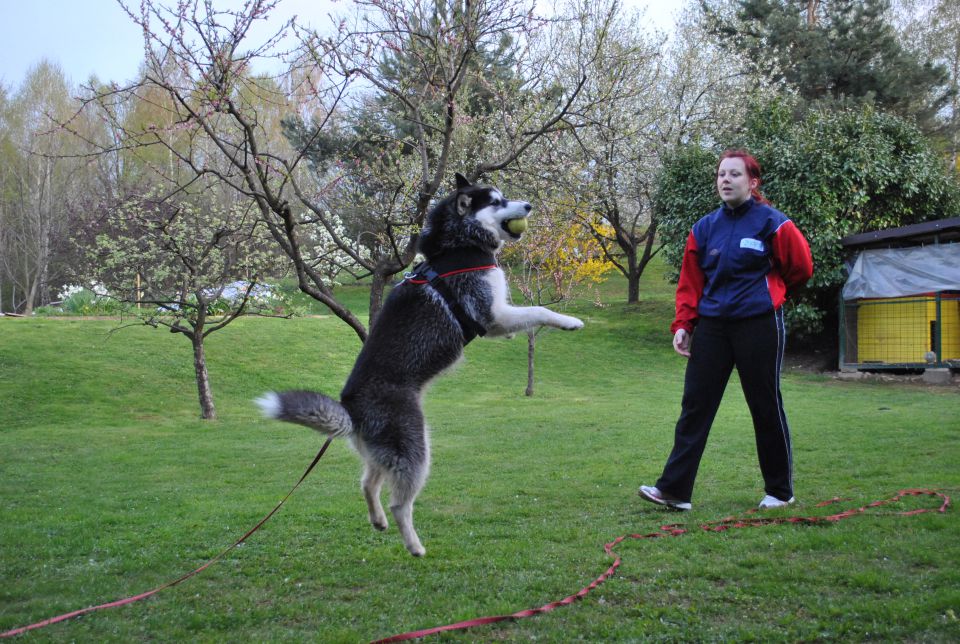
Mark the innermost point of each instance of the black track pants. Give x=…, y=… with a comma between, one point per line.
x=755, y=346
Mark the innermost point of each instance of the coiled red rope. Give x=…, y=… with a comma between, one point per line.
x=670, y=530
x=675, y=530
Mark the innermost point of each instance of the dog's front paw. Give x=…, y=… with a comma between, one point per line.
x=568, y=323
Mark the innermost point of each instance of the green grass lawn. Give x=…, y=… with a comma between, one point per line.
x=110, y=485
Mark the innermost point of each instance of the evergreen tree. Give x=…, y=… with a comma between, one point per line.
x=386, y=124
x=833, y=50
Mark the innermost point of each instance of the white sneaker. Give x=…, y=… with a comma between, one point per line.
x=770, y=502
x=652, y=494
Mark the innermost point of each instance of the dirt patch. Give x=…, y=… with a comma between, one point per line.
x=810, y=360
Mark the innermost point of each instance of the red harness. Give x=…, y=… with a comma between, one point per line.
x=456, y=262
x=417, y=280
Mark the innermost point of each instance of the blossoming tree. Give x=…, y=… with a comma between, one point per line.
x=193, y=265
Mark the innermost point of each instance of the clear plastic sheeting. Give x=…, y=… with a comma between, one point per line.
x=898, y=272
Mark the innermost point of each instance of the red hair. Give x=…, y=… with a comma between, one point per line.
x=753, y=170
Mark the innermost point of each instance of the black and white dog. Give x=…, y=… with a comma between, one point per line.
x=459, y=292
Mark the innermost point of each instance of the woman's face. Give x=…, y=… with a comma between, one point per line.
x=733, y=182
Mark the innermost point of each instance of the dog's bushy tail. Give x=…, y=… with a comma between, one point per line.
x=309, y=408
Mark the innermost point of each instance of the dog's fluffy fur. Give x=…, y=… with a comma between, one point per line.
x=414, y=338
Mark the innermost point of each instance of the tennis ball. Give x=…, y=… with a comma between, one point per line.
x=517, y=226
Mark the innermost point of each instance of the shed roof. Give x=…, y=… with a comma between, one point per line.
x=941, y=230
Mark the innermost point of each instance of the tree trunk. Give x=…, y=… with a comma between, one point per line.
x=633, y=277
x=639, y=264
x=531, y=348
x=812, y=12
x=377, y=288
x=633, y=288
x=387, y=267
x=207, y=410
x=31, y=296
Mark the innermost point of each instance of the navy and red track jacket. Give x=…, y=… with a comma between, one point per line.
x=739, y=263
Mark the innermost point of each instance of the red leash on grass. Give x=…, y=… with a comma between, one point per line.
x=670, y=530
x=674, y=530
x=150, y=593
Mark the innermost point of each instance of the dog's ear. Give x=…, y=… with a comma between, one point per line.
x=462, y=181
x=463, y=204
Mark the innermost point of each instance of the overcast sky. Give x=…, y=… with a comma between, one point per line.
x=87, y=37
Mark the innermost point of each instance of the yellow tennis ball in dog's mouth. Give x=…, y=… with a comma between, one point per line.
x=517, y=226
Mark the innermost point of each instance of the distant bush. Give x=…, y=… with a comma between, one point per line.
x=81, y=300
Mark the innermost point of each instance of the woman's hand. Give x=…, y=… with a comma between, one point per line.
x=681, y=342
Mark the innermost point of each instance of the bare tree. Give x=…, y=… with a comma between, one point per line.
x=550, y=264
x=445, y=62
x=8, y=151
x=194, y=264
x=198, y=72
x=39, y=182
x=658, y=92
x=931, y=28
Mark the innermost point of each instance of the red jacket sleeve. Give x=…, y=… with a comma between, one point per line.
x=689, y=288
x=791, y=256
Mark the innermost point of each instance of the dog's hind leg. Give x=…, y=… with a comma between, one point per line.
x=405, y=485
x=401, y=505
x=371, y=483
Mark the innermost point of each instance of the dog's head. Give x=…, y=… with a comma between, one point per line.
x=495, y=212
x=473, y=215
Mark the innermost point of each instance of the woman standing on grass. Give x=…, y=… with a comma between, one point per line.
x=739, y=264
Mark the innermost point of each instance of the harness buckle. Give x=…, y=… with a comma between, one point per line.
x=414, y=272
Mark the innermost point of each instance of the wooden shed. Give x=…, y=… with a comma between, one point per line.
x=900, y=306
